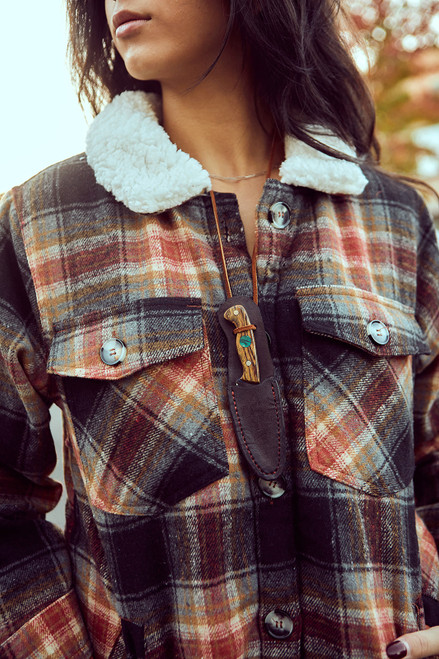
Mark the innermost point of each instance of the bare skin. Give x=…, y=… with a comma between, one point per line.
x=214, y=120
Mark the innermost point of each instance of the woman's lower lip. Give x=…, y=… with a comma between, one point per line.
x=130, y=27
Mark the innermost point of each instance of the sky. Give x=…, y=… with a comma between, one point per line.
x=40, y=118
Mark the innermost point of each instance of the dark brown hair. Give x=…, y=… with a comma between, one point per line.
x=304, y=72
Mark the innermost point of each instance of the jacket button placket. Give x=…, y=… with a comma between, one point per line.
x=278, y=546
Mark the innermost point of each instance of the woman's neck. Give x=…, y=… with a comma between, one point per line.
x=217, y=123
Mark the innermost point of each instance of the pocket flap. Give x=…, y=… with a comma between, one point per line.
x=152, y=330
x=344, y=313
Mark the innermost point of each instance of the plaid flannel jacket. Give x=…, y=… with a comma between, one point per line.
x=172, y=548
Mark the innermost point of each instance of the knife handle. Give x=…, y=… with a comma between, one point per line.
x=245, y=342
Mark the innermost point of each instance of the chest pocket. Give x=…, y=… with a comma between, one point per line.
x=358, y=351
x=147, y=429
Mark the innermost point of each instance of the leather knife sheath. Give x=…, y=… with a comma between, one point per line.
x=255, y=407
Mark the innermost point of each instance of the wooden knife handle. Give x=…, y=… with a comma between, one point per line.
x=245, y=343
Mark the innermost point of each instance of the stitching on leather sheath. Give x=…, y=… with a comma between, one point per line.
x=245, y=442
x=278, y=425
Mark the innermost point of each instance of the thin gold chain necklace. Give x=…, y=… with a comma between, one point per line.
x=236, y=179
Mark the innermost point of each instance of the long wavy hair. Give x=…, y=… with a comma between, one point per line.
x=304, y=71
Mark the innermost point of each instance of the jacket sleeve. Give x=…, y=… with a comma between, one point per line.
x=426, y=378
x=39, y=612
x=426, y=416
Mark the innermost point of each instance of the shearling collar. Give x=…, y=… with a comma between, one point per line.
x=134, y=159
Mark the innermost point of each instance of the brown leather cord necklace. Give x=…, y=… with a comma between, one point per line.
x=253, y=392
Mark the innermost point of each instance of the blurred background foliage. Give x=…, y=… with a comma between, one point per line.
x=397, y=48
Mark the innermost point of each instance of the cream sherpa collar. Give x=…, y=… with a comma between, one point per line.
x=134, y=159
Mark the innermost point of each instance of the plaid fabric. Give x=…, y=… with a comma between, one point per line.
x=170, y=545
x=55, y=632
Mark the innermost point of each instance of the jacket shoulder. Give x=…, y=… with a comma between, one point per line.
x=401, y=203
x=385, y=187
x=65, y=184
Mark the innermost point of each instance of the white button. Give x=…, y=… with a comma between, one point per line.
x=378, y=332
x=272, y=489
x=113, y=352
x=280, y=215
